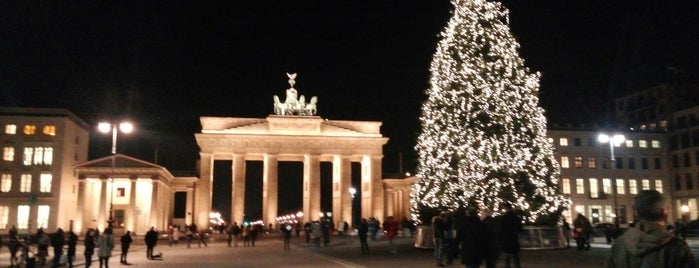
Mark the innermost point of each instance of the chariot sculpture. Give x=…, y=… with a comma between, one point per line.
x=292, y=104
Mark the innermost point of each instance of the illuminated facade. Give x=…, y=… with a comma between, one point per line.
x=307, y=139
x=140, y=194
x=40, y=146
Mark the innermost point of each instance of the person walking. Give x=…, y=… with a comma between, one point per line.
x=449, y=241
x=151, y=240
x=126, y=241
x=58, y=240
x=510, y=228
x=492, y=239
x=390, y=226
x=566, y=231
x=42, y=244
x=89, y=246
x=472, y=236
x=286, y=229
x=72, y=243
x=648, y=243
x=362, y=231
x=581, y=233
x=105, y=244
x=438, y=236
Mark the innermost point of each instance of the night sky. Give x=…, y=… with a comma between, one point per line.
x=163, y=64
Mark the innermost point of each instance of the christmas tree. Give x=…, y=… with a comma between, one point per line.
x=483, y=138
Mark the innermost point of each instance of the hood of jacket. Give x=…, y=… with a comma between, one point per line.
x=646, y=237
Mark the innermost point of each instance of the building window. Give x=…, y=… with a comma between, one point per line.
x=579, y=186
x=42, y=218
x=686, y=160
x=643, y=143
x=23, y=217
x=578, y=161
x=8, y=153
x=688, y=181
x=655, y=144
x=29, y=129
x=632, y=163
x=11, y=129
x=594, y=191
x=591, y=162
x=563, y=141
x=633, y=187
x=25, y=183
x=620, y=189
x=4, y=215
x=619, y=162
x=45, y=183
x=50, y=130
x=644, y=163
x=629, y=143
x=678, y=184
x=38, y=156
x=696, y=154
x=659, y=185
x=5, y=183
x=645, y=184
x=577, y=142
x=657, y=163
x=564, y=162
x=566, y=185
x=607, y=186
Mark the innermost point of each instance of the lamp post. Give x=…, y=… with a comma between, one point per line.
x=613, y=140
x=105, y=127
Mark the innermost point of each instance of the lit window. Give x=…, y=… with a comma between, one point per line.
x=629, y=143
x=563, y=141
x=11, y=129
x=578, y=161
x=23, y=217
x=663, y=123
x=29, y=129
x=580, y=209
x=45, y=183
x=655, y=143
x=620, y=186
x=566, y=185
x=607, y=186
x=42, y=217
x=643, y=144
x=564, y=162
x=25, y=183
x=633, y=188
x=4, y=215
x=594, y=191
x=8, y=153
x=50, y=130
x=579, y=186
x=645, y=184
x=591, y=162
x=38, y=156
x=5, y=183
x=659, y=185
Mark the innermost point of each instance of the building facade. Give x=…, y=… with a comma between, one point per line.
x=37, y=187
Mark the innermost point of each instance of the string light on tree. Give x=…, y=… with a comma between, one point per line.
x=483, y=137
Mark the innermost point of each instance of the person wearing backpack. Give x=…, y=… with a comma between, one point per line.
x=648, y=243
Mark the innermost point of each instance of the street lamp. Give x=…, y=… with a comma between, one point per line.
x=105, y=127
x=613, y=140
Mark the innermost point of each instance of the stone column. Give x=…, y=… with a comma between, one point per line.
x=135, y=211
x=372, y=187
x=200, y=215
x=270, y=189
x=342, y=179
x=189, y=205
x=104, y=205
x=238, y=188
x=80, y=221
x=311, y=187
x=155, y=204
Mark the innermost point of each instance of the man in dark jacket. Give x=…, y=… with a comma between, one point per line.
x=72, y=243
x=151, y=240
x=510, y=228
x=648, y=243
x=58, y=240
x=472, y=235
x=125, y=244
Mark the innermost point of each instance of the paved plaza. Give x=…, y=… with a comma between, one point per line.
x=342, y=252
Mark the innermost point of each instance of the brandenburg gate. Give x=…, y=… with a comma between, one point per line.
x=293, y=133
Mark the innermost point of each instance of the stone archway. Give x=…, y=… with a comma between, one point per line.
x=307, y=139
